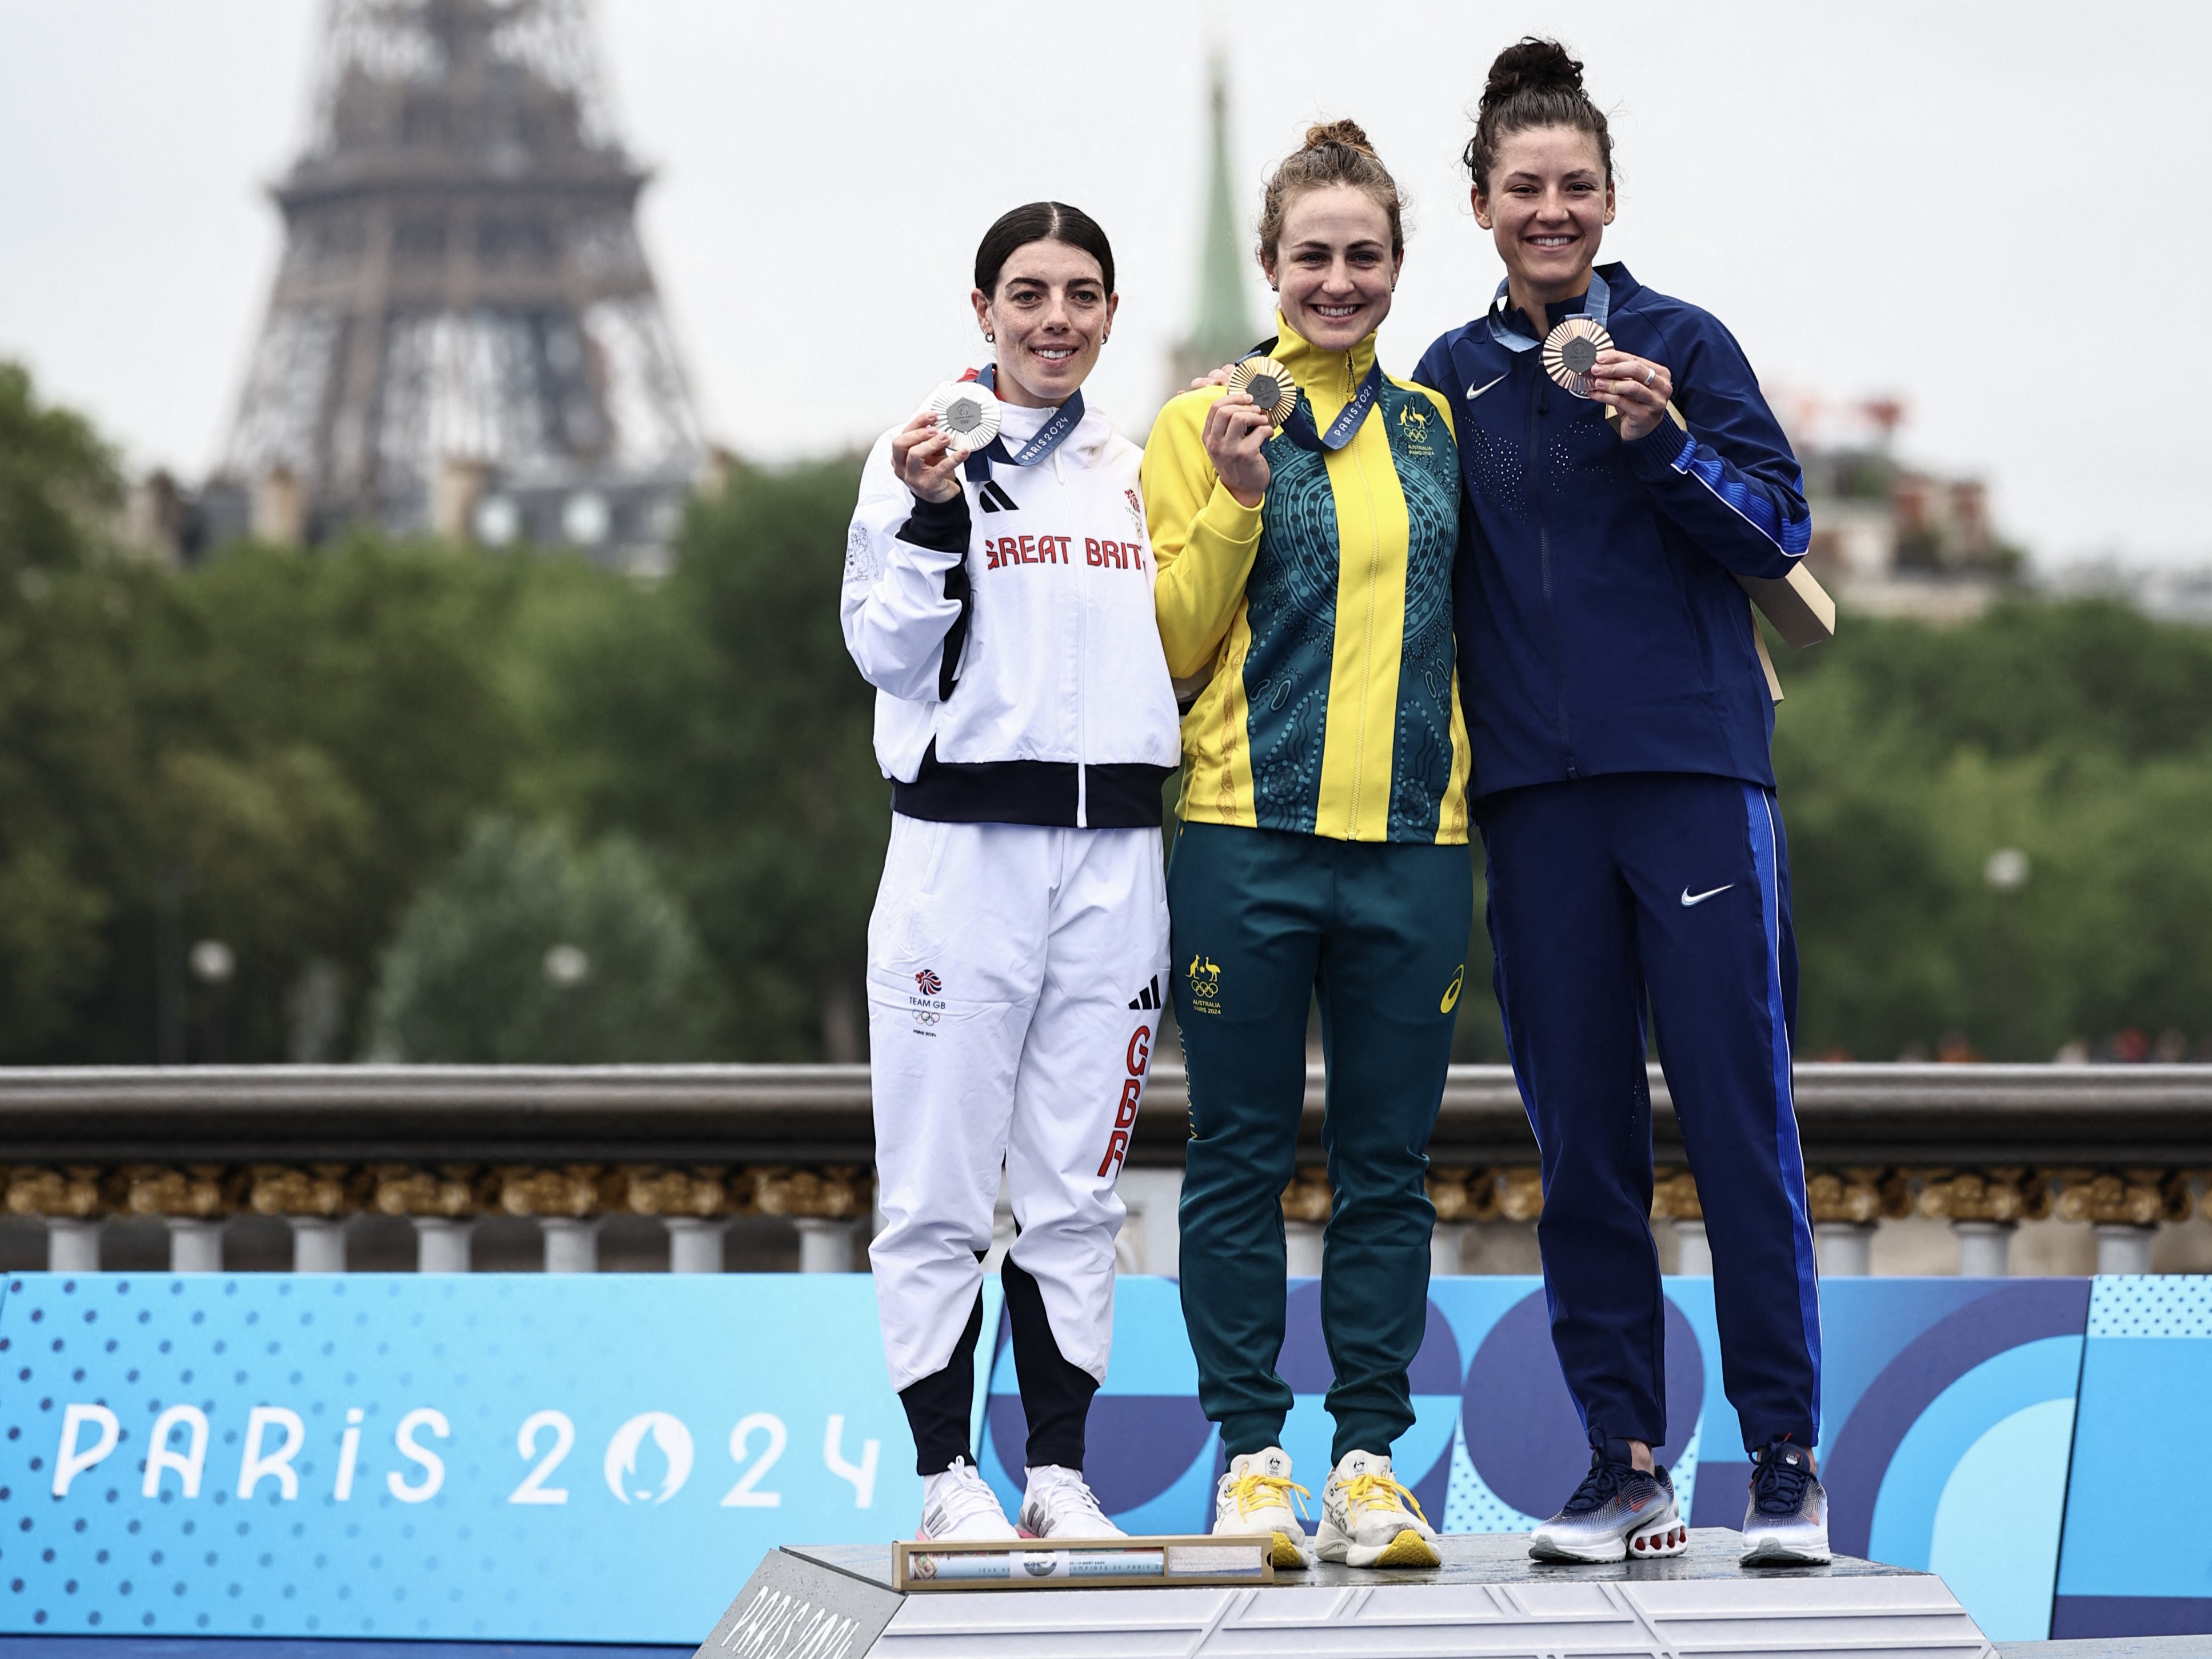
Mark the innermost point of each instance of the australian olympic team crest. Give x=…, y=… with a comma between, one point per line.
x=927, y=1005
x=1413, y=427
x=1204, y=974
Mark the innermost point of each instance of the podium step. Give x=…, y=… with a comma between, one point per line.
x=1486, y=1599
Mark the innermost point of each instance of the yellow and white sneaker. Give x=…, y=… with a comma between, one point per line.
x=1366, y=1521
x=1255, y=1496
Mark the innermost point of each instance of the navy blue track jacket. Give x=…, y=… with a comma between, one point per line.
x=1599, y=625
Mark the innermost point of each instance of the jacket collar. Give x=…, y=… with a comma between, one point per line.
x=1328, y=377
x=1020, y=424
x=1617, y=278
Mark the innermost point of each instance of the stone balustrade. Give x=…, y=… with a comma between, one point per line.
x=2122, y=1151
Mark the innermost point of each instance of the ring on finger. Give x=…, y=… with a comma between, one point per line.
x=1650, y=375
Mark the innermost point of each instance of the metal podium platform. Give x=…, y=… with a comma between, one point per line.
x=1487, y=1599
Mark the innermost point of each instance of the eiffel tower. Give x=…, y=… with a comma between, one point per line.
x=465, y=338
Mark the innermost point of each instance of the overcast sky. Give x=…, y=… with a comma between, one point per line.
x=1997, y=211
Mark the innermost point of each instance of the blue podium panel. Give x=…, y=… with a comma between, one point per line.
x=599, y=1459
x=2138, y=1555
x=520, y=1458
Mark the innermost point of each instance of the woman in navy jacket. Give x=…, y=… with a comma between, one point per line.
x=1620, y=721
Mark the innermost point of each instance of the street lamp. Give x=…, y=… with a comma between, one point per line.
x=567, y=965
x=2006, y=871
x=213, y=962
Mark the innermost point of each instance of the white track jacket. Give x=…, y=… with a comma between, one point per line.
x=1010, y=636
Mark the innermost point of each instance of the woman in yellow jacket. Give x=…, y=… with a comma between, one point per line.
x=1305, y=574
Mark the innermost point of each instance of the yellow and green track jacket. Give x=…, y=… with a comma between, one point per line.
x=1323, y=614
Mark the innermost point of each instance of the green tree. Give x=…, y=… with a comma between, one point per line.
x=727, y=728
x=318, y=731
x=1907, y=755
x=68, y=821
x=526, y=951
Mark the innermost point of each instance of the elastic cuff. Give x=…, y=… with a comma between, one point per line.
x=1248, y=1432
x=940, y=526
x=1661, y=449
x=1229, y=518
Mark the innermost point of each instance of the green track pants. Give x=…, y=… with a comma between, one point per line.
x=1263, y=922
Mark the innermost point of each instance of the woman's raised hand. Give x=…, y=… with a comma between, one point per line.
x=923, y=459
x=1236, y=427
x=1635, y=386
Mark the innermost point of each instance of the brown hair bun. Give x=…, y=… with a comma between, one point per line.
x=1350, y=134
x=1335, y=153
x=1533, y=84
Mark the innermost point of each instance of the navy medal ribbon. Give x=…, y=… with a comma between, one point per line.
x=1050, y=437
x=1300, y=428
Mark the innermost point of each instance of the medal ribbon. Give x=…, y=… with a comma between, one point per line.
x=1597, y=305
x=1053, y=434
x=1299, y=429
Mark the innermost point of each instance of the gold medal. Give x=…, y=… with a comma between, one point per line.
x=966, y=413
x=1570, y=353
x=1269, y=384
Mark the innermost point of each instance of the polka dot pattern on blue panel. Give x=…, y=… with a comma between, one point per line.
x=2151, y=1304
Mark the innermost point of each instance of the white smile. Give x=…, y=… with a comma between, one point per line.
x=1553, y=241
x=1338, y=310
x=1055, y=354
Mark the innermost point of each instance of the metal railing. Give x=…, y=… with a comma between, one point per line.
x=2124, y=1150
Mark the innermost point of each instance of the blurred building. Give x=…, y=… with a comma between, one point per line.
x=1889, y=538
x=1222, y=329
x=465, y=339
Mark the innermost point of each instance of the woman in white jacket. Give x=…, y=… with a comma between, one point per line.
x=1001, y=604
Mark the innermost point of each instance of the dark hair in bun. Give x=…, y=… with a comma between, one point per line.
x=1335, y=153
x=1534, y=83
x=1040, y=221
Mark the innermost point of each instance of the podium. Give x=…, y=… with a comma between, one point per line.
x=837, y=1602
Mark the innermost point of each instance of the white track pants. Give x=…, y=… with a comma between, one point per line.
x=1015, y=976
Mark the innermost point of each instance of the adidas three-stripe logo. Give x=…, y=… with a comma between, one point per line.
x=996, y=500
x=1149, y=997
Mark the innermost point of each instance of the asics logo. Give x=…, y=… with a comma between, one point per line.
x=1474, y=391
x=1690, y=898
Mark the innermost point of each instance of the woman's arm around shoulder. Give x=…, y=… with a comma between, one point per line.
x=1204, y=539
x=906, y=575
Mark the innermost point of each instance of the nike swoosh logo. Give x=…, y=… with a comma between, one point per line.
x=1690, y=898
x=1474, y=391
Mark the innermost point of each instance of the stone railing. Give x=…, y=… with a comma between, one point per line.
x=2122, y=1150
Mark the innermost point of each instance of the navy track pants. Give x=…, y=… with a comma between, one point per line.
x=1675, y=886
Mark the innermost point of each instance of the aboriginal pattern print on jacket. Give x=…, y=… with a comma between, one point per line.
x=1317, y=624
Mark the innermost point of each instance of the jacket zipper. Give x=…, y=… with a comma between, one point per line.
x=1374, y=567
x=1538, y=468
x=1082, y=670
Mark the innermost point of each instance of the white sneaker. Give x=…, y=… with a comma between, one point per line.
x=1366, y=1521
x=1059, y=1504
x=1255, y=1496
x=957, y=1503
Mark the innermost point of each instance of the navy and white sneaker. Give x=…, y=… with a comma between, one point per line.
x=1619, y=1513
x=1786, y=1522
